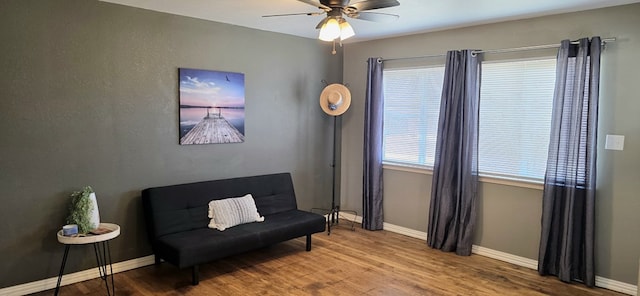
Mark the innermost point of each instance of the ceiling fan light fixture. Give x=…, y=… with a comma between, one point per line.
x=330, y=30
x=346, y=31
x=334, y=26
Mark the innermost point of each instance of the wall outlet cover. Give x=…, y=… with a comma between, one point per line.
x=614, y=142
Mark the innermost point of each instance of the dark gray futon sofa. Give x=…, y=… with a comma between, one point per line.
x=176, y=218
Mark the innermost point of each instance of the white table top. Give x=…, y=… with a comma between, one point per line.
x=91, y=238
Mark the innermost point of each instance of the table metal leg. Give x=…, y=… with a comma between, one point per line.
x=104, y=259
x=64, y=261
x=113, y=286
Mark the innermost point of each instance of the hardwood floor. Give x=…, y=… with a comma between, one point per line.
x=347, y=262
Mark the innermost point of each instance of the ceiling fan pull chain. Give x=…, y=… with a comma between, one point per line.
x=334, y=47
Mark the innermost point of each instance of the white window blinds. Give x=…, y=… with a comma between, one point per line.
x=411, y=108
x=515, y=117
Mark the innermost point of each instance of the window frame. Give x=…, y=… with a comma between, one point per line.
x=492, y=178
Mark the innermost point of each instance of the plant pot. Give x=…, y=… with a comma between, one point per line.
x=94, y=214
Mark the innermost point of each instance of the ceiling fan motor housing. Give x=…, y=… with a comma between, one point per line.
x=334, y=3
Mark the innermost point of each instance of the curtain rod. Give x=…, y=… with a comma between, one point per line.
x=411, y=58
x=603, y=41
x=503, y=50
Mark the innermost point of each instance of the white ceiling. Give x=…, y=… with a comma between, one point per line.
x=415, y=15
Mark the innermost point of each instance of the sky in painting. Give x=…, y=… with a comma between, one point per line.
x=211, y=88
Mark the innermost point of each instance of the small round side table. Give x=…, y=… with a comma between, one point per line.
x=101, y=247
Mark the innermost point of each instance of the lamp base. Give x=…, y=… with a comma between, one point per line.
x=333, y=217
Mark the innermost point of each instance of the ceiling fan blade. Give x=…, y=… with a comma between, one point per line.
x=373, y=4
x=322, y=22
x=375, y=16
x=289, y=14
x=316, y=4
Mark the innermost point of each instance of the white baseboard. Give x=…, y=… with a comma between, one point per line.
x=506, y=257
x=388, y=226
x=502, y=256
x=533, y=264
x=67, y=279
x=617, y=286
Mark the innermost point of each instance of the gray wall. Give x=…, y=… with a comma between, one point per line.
x=89, y=96
x=509, y=217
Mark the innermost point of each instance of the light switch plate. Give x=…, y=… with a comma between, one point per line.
x=614, y=142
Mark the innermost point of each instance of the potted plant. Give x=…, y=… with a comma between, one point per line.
x=83, y=210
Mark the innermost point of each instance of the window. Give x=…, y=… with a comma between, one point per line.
x=411, y=108
x=515, y=117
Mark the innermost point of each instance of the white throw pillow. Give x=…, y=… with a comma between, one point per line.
x=229, y=212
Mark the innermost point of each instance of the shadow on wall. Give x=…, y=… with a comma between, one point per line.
x=130, y=216
x=40, y=238
x=605, y=172
x=477, y=236
x=307, y=92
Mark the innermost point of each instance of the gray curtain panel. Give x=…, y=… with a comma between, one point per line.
x=372, y=218
x=452, y=214
x=568, y=205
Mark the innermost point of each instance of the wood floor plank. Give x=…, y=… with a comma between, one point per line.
x=346, y=262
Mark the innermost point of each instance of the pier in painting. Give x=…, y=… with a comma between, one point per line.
x=213, y=128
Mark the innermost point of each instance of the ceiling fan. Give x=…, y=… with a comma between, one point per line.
x=334, y=24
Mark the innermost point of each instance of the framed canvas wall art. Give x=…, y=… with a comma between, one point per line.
x=211, y=107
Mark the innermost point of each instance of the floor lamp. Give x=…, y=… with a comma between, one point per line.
x=335, y=99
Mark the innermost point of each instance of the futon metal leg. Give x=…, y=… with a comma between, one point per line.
x=157, y=258
x=195, y=280
x=308, y=242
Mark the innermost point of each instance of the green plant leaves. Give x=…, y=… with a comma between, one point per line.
x=80, y=209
